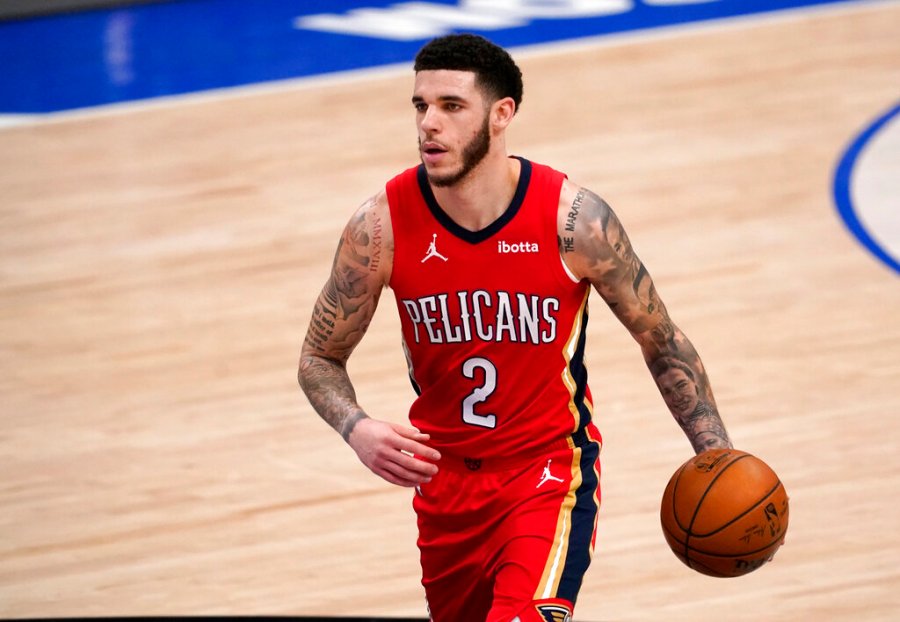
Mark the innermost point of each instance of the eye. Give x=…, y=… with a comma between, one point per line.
x=452, y=106
x=420, y=106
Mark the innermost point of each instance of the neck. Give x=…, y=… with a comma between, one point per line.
x=484, y=195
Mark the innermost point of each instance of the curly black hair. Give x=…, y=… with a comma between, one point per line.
x=495, y=70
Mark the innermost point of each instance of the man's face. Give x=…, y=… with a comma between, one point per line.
x=452, y=122
x=678, y=390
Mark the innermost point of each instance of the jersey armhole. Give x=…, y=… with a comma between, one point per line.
x=566, y=269
x=565, y=273
x=392, y=195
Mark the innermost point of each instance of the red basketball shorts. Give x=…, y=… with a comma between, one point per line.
x=512, y=541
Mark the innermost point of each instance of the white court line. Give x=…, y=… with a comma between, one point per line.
x=12, y=120
x=398, y=69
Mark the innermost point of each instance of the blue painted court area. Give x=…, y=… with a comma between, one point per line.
x=866, y=190
x=101, y=57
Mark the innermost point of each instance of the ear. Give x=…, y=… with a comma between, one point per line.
x=502, y=112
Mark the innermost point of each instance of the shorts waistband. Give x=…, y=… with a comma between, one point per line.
x=475, y=464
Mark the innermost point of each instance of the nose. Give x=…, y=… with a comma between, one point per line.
x=430, y=121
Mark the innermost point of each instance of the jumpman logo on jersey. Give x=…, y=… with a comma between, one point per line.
x=432, y=250
x=547, y=476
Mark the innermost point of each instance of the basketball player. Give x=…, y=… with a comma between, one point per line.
x=491, y=260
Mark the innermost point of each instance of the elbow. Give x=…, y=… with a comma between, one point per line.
x=301, y=367
x=306, y=369
x=314, y=366
x=305, y=366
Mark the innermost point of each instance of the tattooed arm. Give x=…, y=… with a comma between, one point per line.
x=341, y=315
x=595, y=246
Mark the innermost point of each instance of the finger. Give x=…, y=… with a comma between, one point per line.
x=411, y=442
x=413, y=448
x=393, y=479
x=415, y=464
x=411, y=433
x=388, y=477
x=405, y=477
x=406, y=470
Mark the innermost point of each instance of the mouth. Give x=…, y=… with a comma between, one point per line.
x=682, y=404
x=432, y=151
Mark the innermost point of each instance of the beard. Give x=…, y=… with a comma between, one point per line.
x=472, y=155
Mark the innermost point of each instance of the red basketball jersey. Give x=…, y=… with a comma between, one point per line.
x=493, y=323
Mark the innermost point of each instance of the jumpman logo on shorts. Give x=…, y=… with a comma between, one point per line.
x=432, y=250
x=547, y=476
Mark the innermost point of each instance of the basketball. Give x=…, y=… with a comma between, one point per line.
x=724, y=513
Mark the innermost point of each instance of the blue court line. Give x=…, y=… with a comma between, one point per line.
x=842, y=196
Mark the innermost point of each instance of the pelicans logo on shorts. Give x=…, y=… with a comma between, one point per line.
x=554, y=613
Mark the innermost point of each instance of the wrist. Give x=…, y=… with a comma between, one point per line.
x=348, y=425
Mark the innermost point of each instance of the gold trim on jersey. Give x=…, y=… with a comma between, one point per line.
x=556, y=561
x=569, y=349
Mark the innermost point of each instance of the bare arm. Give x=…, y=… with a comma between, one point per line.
x=595, y=246
x=341, y=316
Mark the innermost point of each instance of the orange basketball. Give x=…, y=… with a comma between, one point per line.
x=724, y=513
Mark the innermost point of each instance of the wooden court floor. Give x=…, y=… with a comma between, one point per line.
x=159, y=265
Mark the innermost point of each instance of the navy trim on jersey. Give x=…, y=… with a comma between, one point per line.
x=579, y=373
x=584, y=517
x=415, y=385
x=474, y=237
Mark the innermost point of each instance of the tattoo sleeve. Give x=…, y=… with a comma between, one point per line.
x=341, y=315
x=625, y=284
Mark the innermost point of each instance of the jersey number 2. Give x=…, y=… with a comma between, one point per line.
x=479, y=394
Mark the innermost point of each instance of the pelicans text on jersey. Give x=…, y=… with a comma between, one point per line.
x=493, y=323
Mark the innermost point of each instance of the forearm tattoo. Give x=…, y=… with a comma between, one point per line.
x=684, y=385
x=341, y=315
x=625, y=284
x=328, y=388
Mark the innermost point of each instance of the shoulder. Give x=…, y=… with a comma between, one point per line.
x=579, y=205
x=369, y=236
x=584, y=228
x=372, y=209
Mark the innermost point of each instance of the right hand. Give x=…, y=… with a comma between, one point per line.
x=385, y=449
